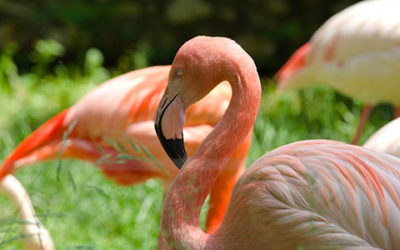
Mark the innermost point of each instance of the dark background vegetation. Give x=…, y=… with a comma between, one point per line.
x=134, y=34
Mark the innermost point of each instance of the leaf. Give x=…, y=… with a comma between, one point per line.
x=99, y=190
x=71, y=178
x=63, y=146
x=124, y=157
x=5, y=242
x=112, y=143
x=100, y=149
x=152, y=158
x=102, y=159
x=136, y=147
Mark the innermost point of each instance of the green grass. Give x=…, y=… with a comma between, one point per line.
x=83, y=210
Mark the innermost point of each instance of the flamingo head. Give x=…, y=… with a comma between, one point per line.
x=199, y=66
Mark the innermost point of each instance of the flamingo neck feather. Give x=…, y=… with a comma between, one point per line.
x=181, y=211
x=295, y=63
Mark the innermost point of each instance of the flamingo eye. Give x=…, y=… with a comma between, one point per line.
x=179, y=72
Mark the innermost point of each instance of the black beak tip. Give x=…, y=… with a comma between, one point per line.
x=175, y=148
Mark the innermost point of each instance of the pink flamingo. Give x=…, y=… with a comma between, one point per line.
x=112, y=127
x=36, y=236
x=316, y=194
x=386, y=139
x=356, y=52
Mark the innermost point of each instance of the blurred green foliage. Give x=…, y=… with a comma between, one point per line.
x=269, y=30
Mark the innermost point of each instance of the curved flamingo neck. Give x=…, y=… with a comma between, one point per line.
x=11, y=187
x=183, y=202
x=38, y=236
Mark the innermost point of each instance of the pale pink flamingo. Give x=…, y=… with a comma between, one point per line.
x=386, y=139
x=112, y=127
x=36, y=237
x=357, y=53
x=316, y=194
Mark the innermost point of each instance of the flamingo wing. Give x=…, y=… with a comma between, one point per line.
x=318, y=195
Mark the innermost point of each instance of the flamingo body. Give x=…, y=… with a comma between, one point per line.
x=112, y=126
x=316, y=194
x=36, y=236
x=356, y=52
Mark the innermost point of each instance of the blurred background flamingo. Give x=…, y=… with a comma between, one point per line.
x=35, y=236
x=386, y=139
x=357, y=53
x=112, y=127
x=314, y=194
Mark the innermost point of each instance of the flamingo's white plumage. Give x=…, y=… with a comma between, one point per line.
x=356, y=52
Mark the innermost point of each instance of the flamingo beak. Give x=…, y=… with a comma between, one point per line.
x=169, y=123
